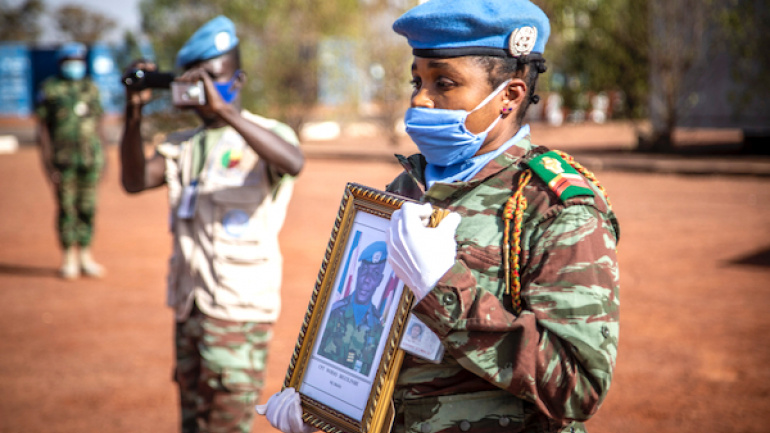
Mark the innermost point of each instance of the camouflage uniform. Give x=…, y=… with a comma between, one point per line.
x=349, y=344
x=225, y=271
x=220, y=370
x=544, y=369
x=72, y=111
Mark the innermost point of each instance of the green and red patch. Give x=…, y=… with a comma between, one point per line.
x=560, y=176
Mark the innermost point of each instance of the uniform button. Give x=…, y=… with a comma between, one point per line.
x=504, y=421
x=465, y=426
x=606, y=333
x=448, y=298
x=425, y=428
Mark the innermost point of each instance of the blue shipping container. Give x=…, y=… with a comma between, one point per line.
x=44, y=65
x=15, y=81
x=106, y=75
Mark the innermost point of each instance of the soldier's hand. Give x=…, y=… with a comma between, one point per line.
x=214, y=101
x=421, y=255
x=284, y=412
x=139, y=97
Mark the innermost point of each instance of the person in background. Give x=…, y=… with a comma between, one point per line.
x=70, y=135
x=520, y=281
x=229, y=183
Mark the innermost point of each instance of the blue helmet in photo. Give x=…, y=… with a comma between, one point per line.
x=455, y=28
x=213, y=39
x=71, y=50
x=375, y=253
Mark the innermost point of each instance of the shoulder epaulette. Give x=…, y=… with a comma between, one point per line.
x=560, y=176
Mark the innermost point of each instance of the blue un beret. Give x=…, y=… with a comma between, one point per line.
x=375, y=253
x=213, y=39
x=454, y=28
x=71, y=50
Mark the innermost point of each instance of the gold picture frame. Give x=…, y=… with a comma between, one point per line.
x=346, y=376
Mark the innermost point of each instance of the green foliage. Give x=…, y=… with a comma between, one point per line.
x=78, y=23
x=604, y=45
x=20, y=23
x=386, y=59
x=744, y=35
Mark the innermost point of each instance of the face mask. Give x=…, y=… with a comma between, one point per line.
x=441, y=134
x=225, y=89
x=73, y=69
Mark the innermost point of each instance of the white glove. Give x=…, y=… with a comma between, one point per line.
x=284, y=412
x=420, y=255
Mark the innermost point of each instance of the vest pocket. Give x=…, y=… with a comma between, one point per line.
x=246, y=260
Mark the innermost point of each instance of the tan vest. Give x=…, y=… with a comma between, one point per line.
x=226, y=257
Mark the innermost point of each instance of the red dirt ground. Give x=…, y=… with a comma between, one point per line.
x=95, y=355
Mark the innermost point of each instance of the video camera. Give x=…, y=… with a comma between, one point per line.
x=182, y=94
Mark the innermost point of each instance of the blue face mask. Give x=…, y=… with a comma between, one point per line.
x=441, y=134
x=73, y=69
x=225, y=89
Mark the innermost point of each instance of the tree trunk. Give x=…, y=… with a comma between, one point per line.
x=675, y=33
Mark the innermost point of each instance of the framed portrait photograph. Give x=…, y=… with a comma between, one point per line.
x=347, y=358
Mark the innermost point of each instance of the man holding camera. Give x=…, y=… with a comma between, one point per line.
x=229, y=182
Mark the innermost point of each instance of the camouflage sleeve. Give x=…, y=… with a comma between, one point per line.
x=41, y=99
x=559, y=353
x=95, y=100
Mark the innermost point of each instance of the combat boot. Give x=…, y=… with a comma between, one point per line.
x=69, y=269
x=88, y=265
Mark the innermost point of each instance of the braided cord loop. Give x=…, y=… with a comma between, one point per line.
x=514, y=212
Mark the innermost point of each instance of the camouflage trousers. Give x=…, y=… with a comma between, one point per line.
x=76, y=199
x=220, y=368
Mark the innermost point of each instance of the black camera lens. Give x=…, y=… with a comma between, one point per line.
x=139, y=79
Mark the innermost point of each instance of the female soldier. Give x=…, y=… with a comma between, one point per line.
x=520, y=282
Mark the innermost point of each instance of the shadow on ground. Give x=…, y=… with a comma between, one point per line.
x=27, y=271
x=759, y=258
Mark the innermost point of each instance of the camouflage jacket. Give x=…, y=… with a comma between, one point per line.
x=72, y=111
x=545, y=369
x=349, y=344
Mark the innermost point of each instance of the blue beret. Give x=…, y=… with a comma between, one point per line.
x=375, y=253
x=71, y=50
x=454, y=28
x=213, y=39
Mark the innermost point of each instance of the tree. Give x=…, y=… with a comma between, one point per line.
x=80, y=24
x=386, y=58
x=20, y=23
x=744, y=36
x=643, y=48
x=676, y=35
x=604, y=44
